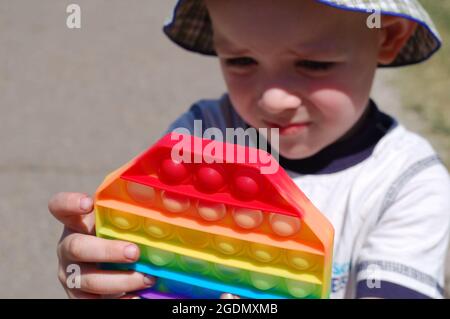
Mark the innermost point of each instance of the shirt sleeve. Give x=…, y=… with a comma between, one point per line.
x=186, y=121
x=208, y=113
x=404, y=254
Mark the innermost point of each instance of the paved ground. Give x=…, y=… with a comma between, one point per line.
x=75, y=105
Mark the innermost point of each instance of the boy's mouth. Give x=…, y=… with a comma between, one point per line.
x=289, y=129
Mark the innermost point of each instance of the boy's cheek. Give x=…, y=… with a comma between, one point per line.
x=245, y=105
x=332, y=103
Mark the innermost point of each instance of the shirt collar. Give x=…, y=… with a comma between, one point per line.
x=356, y=146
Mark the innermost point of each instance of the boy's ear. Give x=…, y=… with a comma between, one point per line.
x=394, y=34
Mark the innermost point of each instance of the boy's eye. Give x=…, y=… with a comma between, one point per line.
x=240, y=62
x=315, y=65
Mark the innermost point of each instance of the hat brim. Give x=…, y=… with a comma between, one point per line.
x=190, y=26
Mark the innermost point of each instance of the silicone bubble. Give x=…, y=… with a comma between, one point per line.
x=123, y=220
x=173, y=172
x=194, y=265
x=263, y=281
x=209, y=179
x=193, y=238
x=264, y=253
x=141, y=193
x=157, y=229
x=228, y=273
x=211, y=211
x=245, y=186
x=159, y=257
x=227, y=245
x=175, y=203
x=299, y=289
x=247, y=218
x=300, y=260
x=284, y=225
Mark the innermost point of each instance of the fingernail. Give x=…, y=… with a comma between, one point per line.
x=131, y=252
x=149, y=280
x=86, y=204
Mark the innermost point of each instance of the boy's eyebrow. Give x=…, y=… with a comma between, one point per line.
x=323, y=49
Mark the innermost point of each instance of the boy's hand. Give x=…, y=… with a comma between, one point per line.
x=79, y=245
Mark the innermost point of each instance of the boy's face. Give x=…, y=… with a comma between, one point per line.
x=299, y=66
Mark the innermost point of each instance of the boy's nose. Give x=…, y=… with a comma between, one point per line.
x=276, y=100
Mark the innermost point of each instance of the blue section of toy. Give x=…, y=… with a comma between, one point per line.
x=191, y=286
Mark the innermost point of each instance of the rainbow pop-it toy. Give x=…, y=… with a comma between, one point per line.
x=214, y=223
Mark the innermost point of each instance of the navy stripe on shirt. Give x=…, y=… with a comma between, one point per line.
x=387, y=290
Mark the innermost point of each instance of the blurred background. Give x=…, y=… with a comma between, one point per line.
x=76, y=104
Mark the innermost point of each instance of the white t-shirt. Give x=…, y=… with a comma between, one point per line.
x=387, y=195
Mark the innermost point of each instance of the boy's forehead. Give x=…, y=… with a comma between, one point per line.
x=301, y=42
x=324, y=46
x=300, y=30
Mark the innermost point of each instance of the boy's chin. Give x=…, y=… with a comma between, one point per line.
x=297, y=152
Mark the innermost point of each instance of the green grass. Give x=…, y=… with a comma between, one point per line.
x=425, y=87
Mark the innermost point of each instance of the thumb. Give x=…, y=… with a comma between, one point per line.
x=74, y=210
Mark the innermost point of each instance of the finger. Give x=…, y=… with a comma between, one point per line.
x=113, y=296
x=78, y=294
x=73, y=210
x=229, y=296
x=73, y=293
x=86, y=248
x=106, y=282
x=65, y=204
x=121, y=296
x=130, y=296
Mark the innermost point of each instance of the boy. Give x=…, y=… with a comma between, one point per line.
x=306, y=67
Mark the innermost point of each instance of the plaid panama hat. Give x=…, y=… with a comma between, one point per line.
x=190, y=26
